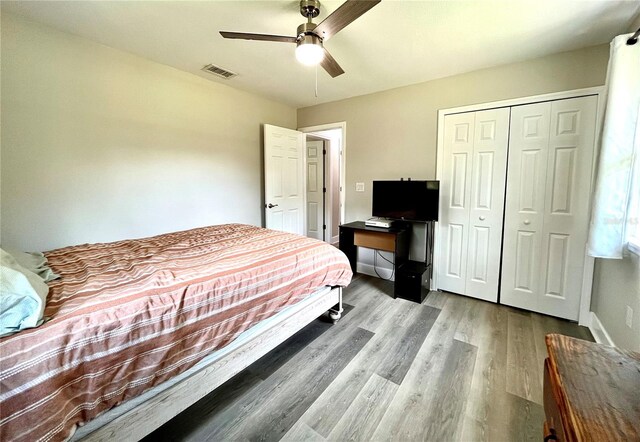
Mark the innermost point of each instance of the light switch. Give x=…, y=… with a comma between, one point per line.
x=359, y=187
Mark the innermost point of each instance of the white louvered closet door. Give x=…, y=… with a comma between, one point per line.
x=547, y=205
x=472, y=195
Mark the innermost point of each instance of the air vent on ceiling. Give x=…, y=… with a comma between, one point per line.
x=217, y=70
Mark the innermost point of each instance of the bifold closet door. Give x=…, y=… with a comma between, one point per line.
x=455, y=194
x=472, y=191
x=551, y=151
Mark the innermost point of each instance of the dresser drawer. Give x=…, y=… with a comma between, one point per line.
x=375, y=240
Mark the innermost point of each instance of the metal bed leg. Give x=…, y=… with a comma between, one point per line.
x=335, y=313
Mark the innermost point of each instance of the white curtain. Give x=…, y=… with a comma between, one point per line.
x=620, y=141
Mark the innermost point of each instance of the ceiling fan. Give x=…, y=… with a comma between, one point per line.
x=310, y=36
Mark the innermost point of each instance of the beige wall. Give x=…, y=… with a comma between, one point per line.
x=616, y=285
x=392, y=134
x=100, y=145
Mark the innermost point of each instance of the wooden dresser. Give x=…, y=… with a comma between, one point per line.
x=591, y=391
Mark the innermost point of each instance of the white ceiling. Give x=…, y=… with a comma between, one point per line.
x=397, y=43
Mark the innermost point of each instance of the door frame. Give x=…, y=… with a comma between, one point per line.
x=324, y=182
x=584, y=317
x=343, y=157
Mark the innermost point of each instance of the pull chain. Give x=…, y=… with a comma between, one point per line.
x=316, y=81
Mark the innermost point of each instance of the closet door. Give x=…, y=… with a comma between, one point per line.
x=566, y=221
x=486, y=208
x=455, y=196
x=548, y=249
x=472, y=195
x=524, y=220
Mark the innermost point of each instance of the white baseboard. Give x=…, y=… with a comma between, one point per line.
x=599, y=332
x=368, y=269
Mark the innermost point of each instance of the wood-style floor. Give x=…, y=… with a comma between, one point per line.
x=453, y=368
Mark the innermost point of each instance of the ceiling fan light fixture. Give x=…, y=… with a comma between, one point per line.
x=310, y=36
x=309, y=50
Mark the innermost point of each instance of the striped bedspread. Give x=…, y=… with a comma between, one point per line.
x=128, y=315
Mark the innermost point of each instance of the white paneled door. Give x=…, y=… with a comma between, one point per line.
x=472, y=202
x=527, y=175
x=487, y=203
x=315, y=189
x=284, y=179
x=454, y=198
x=551, y=152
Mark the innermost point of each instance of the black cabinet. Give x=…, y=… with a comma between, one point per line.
x=412, y=281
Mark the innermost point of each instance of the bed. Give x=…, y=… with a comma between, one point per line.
x=150, y=326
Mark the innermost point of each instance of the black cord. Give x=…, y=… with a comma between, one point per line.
x=634, y=38
x=375, y=265
x=382, y=256
x=428, y=247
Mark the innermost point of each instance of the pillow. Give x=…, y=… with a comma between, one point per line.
x=23, y=295
x=35, y=262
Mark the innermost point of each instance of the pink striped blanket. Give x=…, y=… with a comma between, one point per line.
x=128, y=315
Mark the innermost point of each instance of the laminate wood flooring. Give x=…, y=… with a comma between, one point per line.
x=453, y=368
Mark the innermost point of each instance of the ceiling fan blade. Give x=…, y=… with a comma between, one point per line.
x=331, y=65
x=262, y=37
x=341, y=17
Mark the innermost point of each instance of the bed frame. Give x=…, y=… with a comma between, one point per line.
x=152, y=409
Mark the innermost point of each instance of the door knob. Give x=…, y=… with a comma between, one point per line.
x=271, y=206
x=481, y=218
x=527, y=222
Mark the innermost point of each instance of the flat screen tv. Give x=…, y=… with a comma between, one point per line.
x=406, y=200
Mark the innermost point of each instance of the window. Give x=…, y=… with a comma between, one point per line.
x=615, y=223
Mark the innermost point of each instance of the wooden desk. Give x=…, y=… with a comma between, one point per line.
x=591, y=391
x=357, y=234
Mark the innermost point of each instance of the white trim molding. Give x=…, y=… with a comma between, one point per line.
x=599, y=332
x=370, y=270
x=343, y=158
x=634, y=248
x=575, y=93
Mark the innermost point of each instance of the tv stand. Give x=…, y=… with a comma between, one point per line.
x=412, y=278
x=395, y=239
